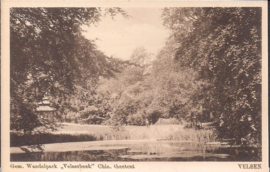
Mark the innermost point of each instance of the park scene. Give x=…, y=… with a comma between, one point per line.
x=135, y=84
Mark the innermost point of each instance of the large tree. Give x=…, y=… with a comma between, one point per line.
x=49, y=54
x=224, y=46
x=162, y=89
x=141, y=57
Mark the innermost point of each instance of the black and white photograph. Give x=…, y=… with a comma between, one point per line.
x=136, y=84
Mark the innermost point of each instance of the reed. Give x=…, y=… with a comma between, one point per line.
x=201, y=136
x=173, y=132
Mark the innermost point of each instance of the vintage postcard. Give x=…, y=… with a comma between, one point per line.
x=134, y=86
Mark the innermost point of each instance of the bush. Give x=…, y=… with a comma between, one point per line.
x=71, y=116
x=135, y=119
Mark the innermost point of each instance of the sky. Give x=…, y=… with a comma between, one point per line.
x=119, y=37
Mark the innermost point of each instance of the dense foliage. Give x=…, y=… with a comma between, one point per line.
x=147, y=92
x=210, y=68
x=224, y=46
x=49, y=54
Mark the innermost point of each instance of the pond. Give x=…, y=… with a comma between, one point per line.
x=153, y=151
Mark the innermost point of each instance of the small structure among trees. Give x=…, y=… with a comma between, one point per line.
x=45, y=111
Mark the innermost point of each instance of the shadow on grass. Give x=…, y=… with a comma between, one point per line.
x=44, y=138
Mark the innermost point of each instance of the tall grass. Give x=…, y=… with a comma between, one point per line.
x=201, y=136
x=158, y=133
x=112, y=135
x=124, y=133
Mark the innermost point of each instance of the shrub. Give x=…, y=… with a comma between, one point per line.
x=135, y=119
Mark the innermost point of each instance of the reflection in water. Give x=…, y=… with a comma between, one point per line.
x=159, y=151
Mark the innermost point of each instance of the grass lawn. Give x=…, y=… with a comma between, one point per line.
x=71, y=128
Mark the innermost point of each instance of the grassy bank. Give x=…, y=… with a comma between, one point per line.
x=44, y=138
x=79, y=133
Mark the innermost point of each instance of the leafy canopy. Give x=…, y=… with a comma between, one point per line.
x=224, y=45
x=49, y=54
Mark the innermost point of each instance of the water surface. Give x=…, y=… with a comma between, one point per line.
x=154, y=151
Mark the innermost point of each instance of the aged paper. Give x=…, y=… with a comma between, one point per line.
x=147, y=86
